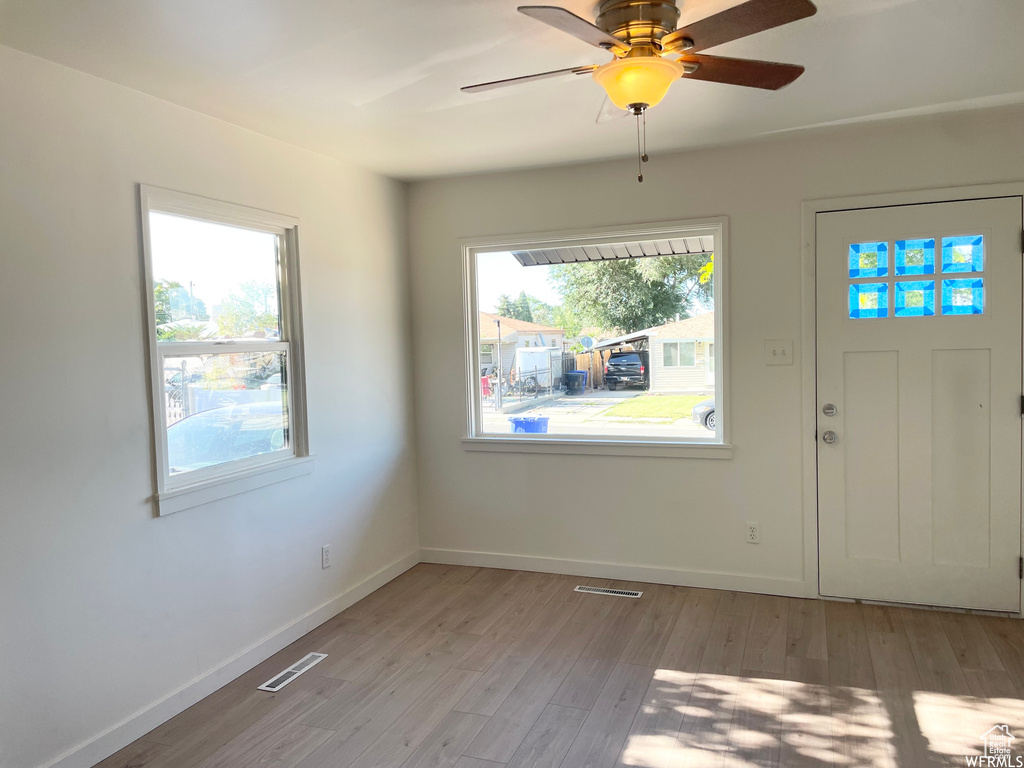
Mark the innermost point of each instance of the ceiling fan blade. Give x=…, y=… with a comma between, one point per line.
x=569, y=22
x=739, y=21
x=769, y=75
x=528, y=78
x=609, y=112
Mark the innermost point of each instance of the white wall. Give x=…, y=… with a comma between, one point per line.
x=682, y=515
x=104, y=608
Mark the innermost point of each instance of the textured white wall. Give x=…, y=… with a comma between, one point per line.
x=105, y=609
x=679, y=514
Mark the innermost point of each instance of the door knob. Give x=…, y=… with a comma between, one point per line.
x=829, y=437
x=828, y=409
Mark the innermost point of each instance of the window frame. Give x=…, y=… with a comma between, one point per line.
x=678, y=345
x=174, y=493
x=474, y=439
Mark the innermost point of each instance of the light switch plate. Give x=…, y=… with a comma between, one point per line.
x=778, y=352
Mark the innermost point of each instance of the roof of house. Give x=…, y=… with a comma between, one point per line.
x=699, y=327
x=489, y=326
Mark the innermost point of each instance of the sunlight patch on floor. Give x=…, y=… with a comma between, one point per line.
x=736, y=721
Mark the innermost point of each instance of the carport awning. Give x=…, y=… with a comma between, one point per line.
x=676, y=246
x=629, y=338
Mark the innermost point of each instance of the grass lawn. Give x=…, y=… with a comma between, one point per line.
x=667, y=407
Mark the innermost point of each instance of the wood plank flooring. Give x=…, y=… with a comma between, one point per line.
x=456, y=667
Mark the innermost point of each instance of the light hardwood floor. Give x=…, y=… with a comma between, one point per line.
x=478, y=668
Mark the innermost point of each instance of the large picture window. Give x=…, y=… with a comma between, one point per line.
x=224, y=334
x=598, y=339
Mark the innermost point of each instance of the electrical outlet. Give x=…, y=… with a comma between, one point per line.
x=753, y=533
x=325, y=556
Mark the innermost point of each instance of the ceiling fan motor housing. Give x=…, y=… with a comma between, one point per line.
x=639, y=23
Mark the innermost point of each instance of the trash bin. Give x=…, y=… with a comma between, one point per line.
x=575, y=382
x=529, y=424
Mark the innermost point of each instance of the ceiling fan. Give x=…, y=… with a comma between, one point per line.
x=650, y=53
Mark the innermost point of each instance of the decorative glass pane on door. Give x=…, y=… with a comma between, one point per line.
x=915, y=298
x=963, y=254
x=915, y=257
x=869, y=260
x=869, y=300
x=963, y=297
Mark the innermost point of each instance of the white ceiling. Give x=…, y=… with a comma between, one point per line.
x=378, y=82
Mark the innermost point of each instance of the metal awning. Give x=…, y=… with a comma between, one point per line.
x=676, y=246
x=629, y=338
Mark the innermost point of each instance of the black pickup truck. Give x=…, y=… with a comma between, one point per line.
x=624, y=369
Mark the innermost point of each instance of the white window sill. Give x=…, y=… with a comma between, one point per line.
x=599, y=447
x=194, y=495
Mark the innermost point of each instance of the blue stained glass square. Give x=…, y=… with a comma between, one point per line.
x=963, y=254
x=915, y=298
x=869, y=300
x=915, y=257
x=869, y=260
x=963, y=297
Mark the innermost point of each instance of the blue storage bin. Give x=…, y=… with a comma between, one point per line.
x=529, y=424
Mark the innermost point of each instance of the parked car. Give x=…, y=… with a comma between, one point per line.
x=628, y=369
x=704, y=413
x=225, y=434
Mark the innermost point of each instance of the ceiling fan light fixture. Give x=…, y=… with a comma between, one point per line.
x=638, y=79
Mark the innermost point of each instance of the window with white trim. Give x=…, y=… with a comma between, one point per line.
x=225, y=342
x=680, y=354
x=617, y=320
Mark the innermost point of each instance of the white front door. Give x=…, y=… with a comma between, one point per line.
x=919, y=365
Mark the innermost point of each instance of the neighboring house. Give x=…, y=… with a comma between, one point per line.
x=514, y=334
x=683, y=355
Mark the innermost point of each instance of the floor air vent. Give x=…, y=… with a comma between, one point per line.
x=603, y=591
x=280, y=681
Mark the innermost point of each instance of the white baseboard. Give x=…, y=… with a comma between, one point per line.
x=107, y=743
x=707, y=579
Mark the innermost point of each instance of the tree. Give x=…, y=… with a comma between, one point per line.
x=162, y=300
x=533, y=310
x=707, y=272
x=172, y=301
x=173, y=332
x=563, y=317
x=517, y=309
x=254, y=309
x=506, y=306
x=689, y=274
x=633, y=294
x=524, y=311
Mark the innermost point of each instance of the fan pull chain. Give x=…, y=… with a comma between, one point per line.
x=639, y=151
x=640, y=110
x=644, y=155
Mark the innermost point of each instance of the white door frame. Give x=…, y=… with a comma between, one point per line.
x=808, y=321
